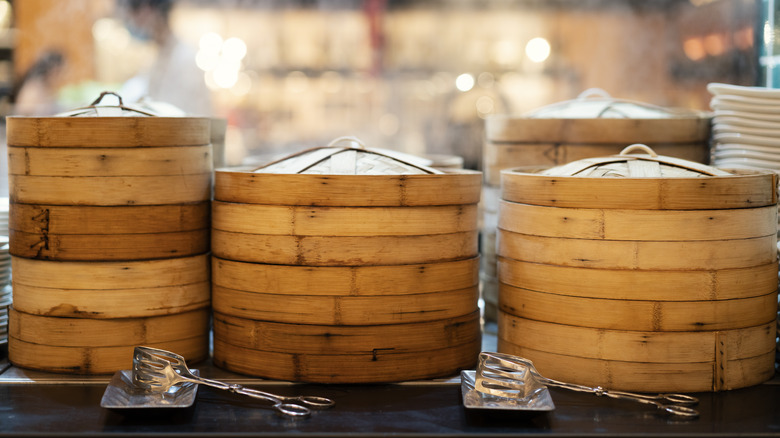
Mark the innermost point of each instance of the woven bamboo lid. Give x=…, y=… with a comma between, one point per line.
x=601, y=119
x=345, y=173
x=109, y=125
x=629, y=164
x=348, y=156
x=639, y=181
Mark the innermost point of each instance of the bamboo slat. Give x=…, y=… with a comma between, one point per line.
x=345, y=310
x=96, y=360
x=637, y=346
x=101, y=132
x=343, y=221
x=330, y=339
x=87, y=162
x=117, y=190
x=745, y=189
x=90, y=332
x=649, y=377
x=47, y=246
x=656, y=225
x=645, y=255
x=369, y=367
x=345, y=280
x=655, y=316
x=89, y=220
x=451, y=188
x=111, y=303
x=625, y=284
x=110, y=275
x=343, y=251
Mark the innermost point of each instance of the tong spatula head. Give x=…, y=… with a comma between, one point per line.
x=157, y=370
x=502, y=375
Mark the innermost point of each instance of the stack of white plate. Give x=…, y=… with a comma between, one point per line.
x=746, y=127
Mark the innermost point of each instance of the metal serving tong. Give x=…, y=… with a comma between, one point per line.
x=504, y=375
x=156, y=370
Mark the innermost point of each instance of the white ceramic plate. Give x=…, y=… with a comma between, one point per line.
x=741, y=121
x=746, y=162
x=758, y=140
x=746, y=100
x=719, y=89
x=734, y=153
x=766, y=117
x=766, y=132
x=720, y=105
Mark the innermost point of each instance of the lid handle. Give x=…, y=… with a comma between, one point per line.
x=348, y=141
x=104, y=94
x=631, y=148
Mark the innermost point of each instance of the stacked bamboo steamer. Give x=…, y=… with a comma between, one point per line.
x=640, y=272
x=109, y=237
x=343, y=264
x=592, y=125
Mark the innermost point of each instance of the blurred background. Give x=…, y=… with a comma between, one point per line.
x=415, y=76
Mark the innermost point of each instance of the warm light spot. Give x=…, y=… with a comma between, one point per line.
x=694, y=49
x=537, y=49
x=464, y=82
x=715, y=44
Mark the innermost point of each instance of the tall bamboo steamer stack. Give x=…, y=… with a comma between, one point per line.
x=345, y=265
x=592, y=125
x=640, y=272
x=109, y=237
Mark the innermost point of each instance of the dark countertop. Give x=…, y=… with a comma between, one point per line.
x=40, y=404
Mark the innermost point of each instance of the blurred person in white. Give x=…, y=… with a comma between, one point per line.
x=173, y=77
x=36, y=92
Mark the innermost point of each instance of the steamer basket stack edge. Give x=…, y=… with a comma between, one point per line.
x=109, y=237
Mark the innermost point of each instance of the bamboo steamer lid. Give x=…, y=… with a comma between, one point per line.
x=329, y=177
x=673, y=184
x=592, y=125
x=109, y=155
x=640, y=262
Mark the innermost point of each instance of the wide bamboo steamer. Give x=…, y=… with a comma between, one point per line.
x=347, y=354
x=112, y=290
x=345, y=243
x=100, y=346
x=640, y=262
x=78, y=232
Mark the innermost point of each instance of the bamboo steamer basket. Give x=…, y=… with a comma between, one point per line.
x=100, y=346
x=109, y=183
x=640, y=272
x=111, y=290
x=592, y=125
x=345, y=243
